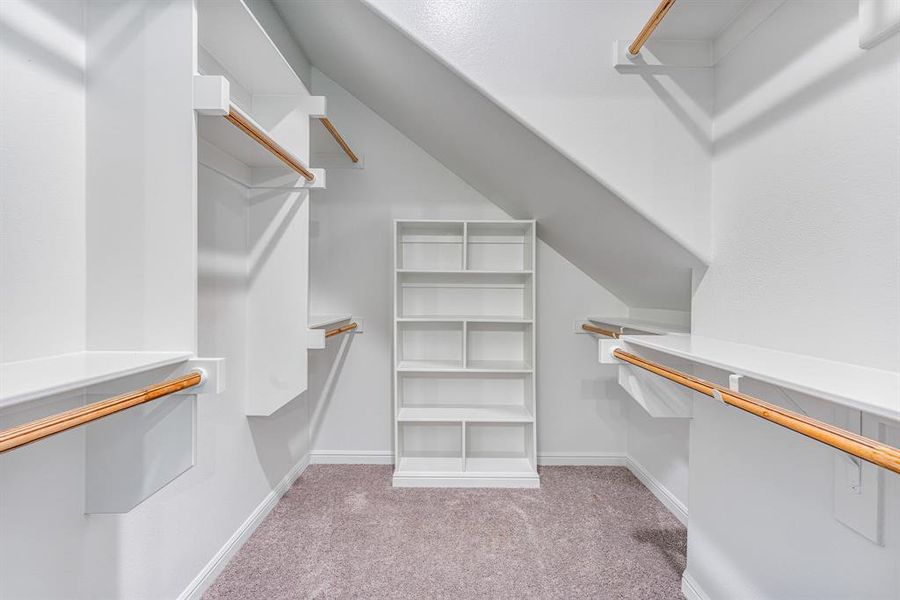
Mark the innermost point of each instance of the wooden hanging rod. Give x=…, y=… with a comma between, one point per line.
x=340, y=330
x=846, y=441
x=243, y=122
x=37, y=430
x=601, y=330
x=654, y=20
x=339, y=138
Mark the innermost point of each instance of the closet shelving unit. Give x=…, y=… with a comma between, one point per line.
x=254, y=117
x=464, y=354
x=263, y=91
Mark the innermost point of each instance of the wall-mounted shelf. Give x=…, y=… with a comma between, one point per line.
x=254, y=82
x=26, y=380
x=219, y=132
x=638, y=326
x=869, y=390
x=255, y=62
x=325, y=321
x=256, y=166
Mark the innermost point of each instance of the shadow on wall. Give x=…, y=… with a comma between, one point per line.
x=325, y=367
x=271, y=211
x=788, y=86
x=800, y=68
x=276, y=440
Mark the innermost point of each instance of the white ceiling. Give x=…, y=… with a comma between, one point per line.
x=698, y=19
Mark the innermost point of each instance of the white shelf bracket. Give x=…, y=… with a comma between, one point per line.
x=315, y=339
x=606, y=347
x=211, y=95
x=660, y=398
x=315, y=106
x=858, y=499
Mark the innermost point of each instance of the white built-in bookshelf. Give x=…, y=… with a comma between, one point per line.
x=464, y=354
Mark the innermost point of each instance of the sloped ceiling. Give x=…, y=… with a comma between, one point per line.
x=497, y=154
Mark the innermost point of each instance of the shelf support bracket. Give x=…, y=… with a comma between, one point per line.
x=211, y=95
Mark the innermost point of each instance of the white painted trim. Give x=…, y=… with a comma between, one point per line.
x=214, y=567
x=662, y=493
x=351, y=457
x=598, y=459
x=494, y=480
x=690, y=588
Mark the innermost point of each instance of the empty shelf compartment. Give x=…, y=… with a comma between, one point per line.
x=505, y=296
x=500, y=447
x=500, y=346
x=429, y=345
x=429, y=447
x=465, y=390
x=500, y=246
x=429, y=246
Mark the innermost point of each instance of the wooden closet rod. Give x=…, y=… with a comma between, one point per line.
x=601, y=330
x=856, y=445
x=37, y=430
x=654, y=20
x=340, y=330
x=338, y=138
x=246, y=124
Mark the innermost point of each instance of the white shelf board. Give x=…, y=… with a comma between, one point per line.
x=430, y=464
x=255, y=62
x=653, y=327
x=479, y=414
x=429, y=366
x=219, y=132
x=460, y=319
x=870, y=390
x=320, y=321
x=470, y=221
x=455, y=366
x=499, y=366
x=464, y=272
x=26, y=380
x=498, y=465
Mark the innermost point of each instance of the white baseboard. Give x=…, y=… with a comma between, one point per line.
x=215, y=566
x=690, y=589
x=599, y=459
x=354, y=457
x=488, y=481
x=662, y=493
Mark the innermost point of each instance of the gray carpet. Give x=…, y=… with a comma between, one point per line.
x=344, y=532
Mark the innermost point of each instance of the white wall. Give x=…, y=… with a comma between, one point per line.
x=806, y=181
x=351, y=271
x=660, y=447
x=270, y=18
x=42, y=170
x=550, y=63
x=157, y=549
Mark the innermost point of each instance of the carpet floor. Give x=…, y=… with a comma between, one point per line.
x=343, y=532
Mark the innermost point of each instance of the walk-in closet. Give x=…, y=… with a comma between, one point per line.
x=433, y=299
